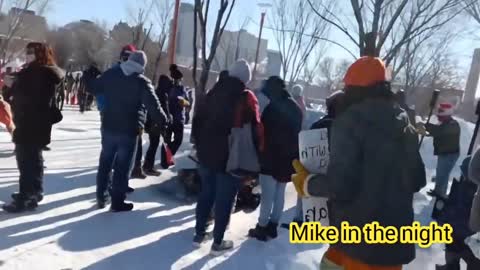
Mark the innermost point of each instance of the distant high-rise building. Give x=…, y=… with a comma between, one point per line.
x=185, y=35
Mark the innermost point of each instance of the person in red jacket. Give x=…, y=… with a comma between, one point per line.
x=6, y=115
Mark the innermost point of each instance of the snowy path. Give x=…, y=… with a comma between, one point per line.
x=68, y=232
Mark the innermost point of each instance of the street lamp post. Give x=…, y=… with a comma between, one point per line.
x=173, y=34
x=264, y=7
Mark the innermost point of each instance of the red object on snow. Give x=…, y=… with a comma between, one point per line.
x=73, y=100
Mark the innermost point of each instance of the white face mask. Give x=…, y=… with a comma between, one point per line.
x=30, y=58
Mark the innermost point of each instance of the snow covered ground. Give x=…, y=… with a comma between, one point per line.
x=68, y=232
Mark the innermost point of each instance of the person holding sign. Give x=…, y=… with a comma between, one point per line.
x=282, y=121
x=374, y=169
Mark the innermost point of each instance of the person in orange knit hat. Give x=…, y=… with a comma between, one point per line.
x=6, y=115
x=375, y=168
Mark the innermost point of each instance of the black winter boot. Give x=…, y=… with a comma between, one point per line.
x=38, y=197
x=121, y=207
x=138, y=173
x=472, y=262
x=259, y=232
x=21, y=204
x=272, y=230
x=453, y=262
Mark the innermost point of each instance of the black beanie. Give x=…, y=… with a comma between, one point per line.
x=175, y=73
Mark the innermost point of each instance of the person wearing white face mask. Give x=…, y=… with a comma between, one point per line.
x=34, y=90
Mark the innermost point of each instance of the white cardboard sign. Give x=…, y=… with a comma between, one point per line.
x=315, y=156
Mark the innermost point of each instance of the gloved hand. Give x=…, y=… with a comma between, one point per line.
x=183, y=102
x=300, y=177
x=420, y=128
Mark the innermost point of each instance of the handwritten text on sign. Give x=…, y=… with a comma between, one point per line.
x=315, y=156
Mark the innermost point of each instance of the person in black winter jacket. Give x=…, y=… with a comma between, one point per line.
x=153, y=129
x=127, y=93
x=177, y=101
x=282, y=121
x=33, y=97
x=211, y=128
x=446, y=143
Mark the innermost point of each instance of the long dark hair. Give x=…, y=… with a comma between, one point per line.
x=43, y=53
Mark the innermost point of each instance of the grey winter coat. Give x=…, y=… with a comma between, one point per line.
x=375, y=168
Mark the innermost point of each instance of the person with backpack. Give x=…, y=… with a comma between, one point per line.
x=282, y=122
x=33, y=99
x=229, y=103
x=374, y=161
x=128, y=94
x=446, y=143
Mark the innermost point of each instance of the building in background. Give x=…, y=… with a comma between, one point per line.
x=185, y=35
x=239, y=45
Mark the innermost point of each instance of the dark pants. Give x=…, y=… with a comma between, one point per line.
x=174, y=130
x=118, y=152
x=149, y=162
x=139, y=153
x=218, y=189
x=30, y=165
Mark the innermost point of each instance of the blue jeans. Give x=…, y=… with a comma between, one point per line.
x=219, y=189
x=445, y=166
x=272, y=200
x=118, y=152
x=299, y=210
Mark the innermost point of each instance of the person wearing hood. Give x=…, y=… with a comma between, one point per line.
x=446, y=143
x=282, y=122
x=177, y=100
x=128, y=94
x=33, y=99
x=211, y=129
x=374, y=161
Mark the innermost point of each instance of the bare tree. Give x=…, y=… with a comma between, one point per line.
x=139, y=17
x=331, y=73
x=388, y=24
x=162, y=14
x=15, y=22
x=201, y=17
x=473, y=9
x=312, y=67
x=297, y=31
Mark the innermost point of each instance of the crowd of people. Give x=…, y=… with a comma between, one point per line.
x=375, y=166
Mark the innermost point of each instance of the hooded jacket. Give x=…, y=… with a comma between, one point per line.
x=282, y=121
x=215, y=118
x=375, y=168
x=33, y=95
x=128, y=96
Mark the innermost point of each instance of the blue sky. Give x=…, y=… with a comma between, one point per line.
x=112, y=11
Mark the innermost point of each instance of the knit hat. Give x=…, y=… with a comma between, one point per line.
x=175, y=73
x=297, y=90
x=127, y=50
x=241, y=70
x=366, y=71
x=445, y=109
